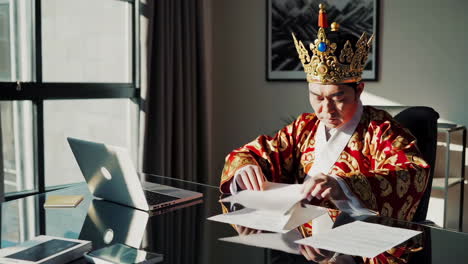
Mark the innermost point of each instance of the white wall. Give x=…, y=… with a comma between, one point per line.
x=245, y=105
x=422, y=62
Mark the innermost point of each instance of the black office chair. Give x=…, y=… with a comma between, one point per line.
x=422, y=123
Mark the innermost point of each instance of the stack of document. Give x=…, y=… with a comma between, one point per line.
x=270, y=220
x=278, y=209
x=277, y=241
x=277, y=197
x=360, y=239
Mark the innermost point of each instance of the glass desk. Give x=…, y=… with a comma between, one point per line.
x=182, y=235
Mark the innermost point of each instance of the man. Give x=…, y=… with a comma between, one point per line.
x=346, y=155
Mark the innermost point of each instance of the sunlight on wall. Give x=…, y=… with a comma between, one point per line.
x=368, y=98
x=434, y=212
x=372, y=99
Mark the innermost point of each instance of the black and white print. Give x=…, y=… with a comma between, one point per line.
x=300, y=17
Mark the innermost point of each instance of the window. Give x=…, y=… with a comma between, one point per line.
x=17, y=141
x=5, y=41
x=67, y=68
x=102, y=120
x=86, y=41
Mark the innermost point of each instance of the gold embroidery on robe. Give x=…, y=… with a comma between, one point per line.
x=403, y=182
x=404, y=209
x=363, y=189
x=387, y=210
x=420, y=181
x=385, y=186
x=381, y=163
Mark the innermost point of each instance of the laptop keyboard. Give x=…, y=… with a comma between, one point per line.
x=156, y=198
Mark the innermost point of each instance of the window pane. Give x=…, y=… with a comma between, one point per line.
x=19, y=221
x=17, y=145
x=5, y=42
x=108, y=121
x=86, y=41
x=15, y=40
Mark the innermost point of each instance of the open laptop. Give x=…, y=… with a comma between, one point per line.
x=110, y=175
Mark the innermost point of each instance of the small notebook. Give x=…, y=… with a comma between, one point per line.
x=63, y=201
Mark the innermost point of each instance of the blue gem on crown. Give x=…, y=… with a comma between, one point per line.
x=322, y=47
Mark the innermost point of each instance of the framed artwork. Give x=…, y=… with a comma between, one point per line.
x=300, y=17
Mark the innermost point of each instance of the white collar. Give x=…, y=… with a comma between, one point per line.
x=328, y=151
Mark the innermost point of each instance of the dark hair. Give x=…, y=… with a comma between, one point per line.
x=353, y=85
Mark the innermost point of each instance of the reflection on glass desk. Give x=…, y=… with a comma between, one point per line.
x=181, y=234
x=108, y=223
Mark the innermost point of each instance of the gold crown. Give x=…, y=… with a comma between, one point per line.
x=326, y=68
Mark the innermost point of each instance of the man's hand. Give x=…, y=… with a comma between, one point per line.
x=316, y=254
x=244, y=231
x=322, y=186
x=250, y=177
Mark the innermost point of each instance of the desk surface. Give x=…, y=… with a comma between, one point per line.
x=182, y=235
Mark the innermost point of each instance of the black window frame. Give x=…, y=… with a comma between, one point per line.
x=38, y=91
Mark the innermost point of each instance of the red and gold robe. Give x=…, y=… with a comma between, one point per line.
x=380, y=164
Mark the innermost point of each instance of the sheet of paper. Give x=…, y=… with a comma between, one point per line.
x=275, y=197
x=360, y=239
x=302, y=214
x=321, y=224
x=256, y=219
x=282, y=242
x=270, y=220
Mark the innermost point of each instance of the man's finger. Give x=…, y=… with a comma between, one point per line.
x=240, y=182
x=310, y=187
x=245, y=231
x=326, y=193
x=253, y=179
x=310, y=253
x=325, y=253
x=245, y=178
x=260, y=176
x=316, y=255
x=239, y=229
x=317, y=189
x=252, y=231
x=304, y=252
x=307, y=186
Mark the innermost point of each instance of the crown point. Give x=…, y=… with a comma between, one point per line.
x=370, y=41
x=322, y=19
x=335, y=26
